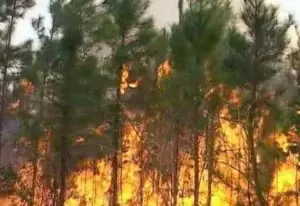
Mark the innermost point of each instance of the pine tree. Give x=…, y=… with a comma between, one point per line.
x=129, y=34
x=194, y=47
x=268, y=43
x=76, y=84
x=33, y=113
x=11, y=11
x=178, y=133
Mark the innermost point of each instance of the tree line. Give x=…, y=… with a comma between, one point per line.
x=104, y=65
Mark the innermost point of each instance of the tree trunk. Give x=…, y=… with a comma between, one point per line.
x=297, y=184
x=36, y=139
x=63, y=155
x=55, y=181
x=116, y=146
x=252, y=112
x=180, y=8
x=141, y=172
x=5, y=78
x=66, y=108
x=251, y=148
x=196, y=170
x=35, y=171
x=176, y=163
x=117, y=136
x=210, y=157
x=177, y=136
x=39, y=121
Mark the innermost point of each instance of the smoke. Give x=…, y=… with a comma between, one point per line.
x=282, y=88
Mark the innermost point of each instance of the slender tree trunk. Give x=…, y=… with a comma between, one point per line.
x=297, y=186
x=180, y=8
x=249, y=179
x=66, y=108
x=116, y=145
x=251, y=148
x=252, y=124
x=36, y=140
x=39, y=121
x=177, y=136
x=141, y=172
x=176, y=163
x=117, y=135
x=55, y=182
x=252, y=112
x=210, y=157
x=4, y=76
x=196, y=170
x=196, y=152
x=34, y=172
x=258, y=191
x=255, y=174
x=63, y=155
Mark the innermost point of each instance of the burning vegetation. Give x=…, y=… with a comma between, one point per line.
x=147, y=172
x=194, y=116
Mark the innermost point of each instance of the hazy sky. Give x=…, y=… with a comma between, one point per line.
x=164, y=11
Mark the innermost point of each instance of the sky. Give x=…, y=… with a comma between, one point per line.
x=165, y=13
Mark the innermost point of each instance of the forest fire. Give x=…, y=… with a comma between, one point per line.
x=91, y=183
x=230, y=179
x=111, y=109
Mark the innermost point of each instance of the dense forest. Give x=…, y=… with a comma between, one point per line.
x=111, y=110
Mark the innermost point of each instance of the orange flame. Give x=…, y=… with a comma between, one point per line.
x=91, y=183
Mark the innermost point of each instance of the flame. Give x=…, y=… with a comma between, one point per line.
x=282, y=140
x=90, y=184
x=27, y=86
x=285, y=180
x=234, y=98
x=164, y=69
x=125, y=84
x=95, y=188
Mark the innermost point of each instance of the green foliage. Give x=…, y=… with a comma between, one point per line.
x=133, y=40
x=236, y=68
x=267, y=34
x=11, y=11
x=14, y=7
x=127, y=13
x=14, y=57
x=130, y=35
x=203, y=27
x=196, y=45
x=78, y=83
